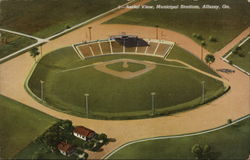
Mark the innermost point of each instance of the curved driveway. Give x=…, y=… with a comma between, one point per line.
x=233, y=104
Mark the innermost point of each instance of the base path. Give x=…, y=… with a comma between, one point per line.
x=124, y=74
x=233, y=104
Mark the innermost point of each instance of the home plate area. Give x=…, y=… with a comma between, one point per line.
x=125, y=68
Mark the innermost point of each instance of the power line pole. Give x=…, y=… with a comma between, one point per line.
x=153, y=102
x=157, y=28
x=86, y=104
x=203, y=92
x=42, y=91
x=90, y=33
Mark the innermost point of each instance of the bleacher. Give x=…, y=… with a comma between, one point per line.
x=162, y=49
x=116, y=47
x=112, y=46
x=96, y=49
x=105, y=47
x=85, y=50
x=130, y=49
x=152, y=47
x=141, y=49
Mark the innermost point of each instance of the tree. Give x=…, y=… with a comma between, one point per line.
x=197, y=151
x=212, y=39
x=200, y=152
x=209, y=59
x=203, y=44
x=34, y=52
x=102, y=138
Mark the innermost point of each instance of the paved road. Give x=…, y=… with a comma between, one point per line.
x=234, y=104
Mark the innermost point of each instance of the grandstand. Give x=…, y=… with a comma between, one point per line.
x=123, y=45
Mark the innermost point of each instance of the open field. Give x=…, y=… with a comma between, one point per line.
x=19, y=126
x=242, y=57
x=228, y=143
x=45, y=18
x=38, y=151
x=10, y=43
x=185, y=56
x=67, y=79
x=223, y=24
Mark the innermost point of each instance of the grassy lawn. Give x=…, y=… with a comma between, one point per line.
x=223, y=24
x=231, y=143
x=13, y=44
x=19, y=126
x=38, y=151
x=45, y=18
x=109, y=95
x=185, y=56
x=242, y=57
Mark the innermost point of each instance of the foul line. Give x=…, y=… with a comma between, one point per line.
x=99, y=63
x=177, y=136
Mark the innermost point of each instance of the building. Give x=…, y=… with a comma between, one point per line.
x=65, y=148
x=83, y=133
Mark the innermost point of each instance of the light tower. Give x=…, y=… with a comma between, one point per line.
x=157, y=30
x=203, y=92
x=90, y=33
x=86, y=104
x=42, y=91
x=153, y=102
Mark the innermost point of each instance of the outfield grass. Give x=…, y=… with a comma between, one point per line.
x=19, y=126
x=223, y=24
x=242, y=57
x=44, y=18
x=231, y=143
x=185, y=56
x=14, y=43
x=115, y=98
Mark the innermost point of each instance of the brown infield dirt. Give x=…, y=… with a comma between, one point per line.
x=124, y=74
x=233, y=105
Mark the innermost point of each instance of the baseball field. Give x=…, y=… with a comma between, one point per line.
x=119, y=92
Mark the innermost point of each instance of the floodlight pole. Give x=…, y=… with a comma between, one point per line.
x=153, y=102
x=90, y=33
x=42, y=91
x=203, y=92
x=201, y=52
x=86, y=104
x=157, y=29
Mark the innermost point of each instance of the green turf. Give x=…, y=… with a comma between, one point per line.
x=38, y=151
x=112, y=97
x=14, y=43
x=132, y=67
x=19, y=126
x=231, y=143
x=223, y=24
x=185, y=56
x=44, y=18
x=242, y=58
